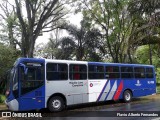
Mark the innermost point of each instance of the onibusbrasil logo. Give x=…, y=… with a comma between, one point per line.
x=21, y=115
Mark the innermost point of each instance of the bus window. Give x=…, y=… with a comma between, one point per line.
x=126, y=72
x=15, y=84
x=95, y=72
x=149, y=72
x=112, y=72
x=77, y=72
x=57, y=71
x=139, y=72
x=34, y=78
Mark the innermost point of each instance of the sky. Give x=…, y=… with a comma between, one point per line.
x=72, y=18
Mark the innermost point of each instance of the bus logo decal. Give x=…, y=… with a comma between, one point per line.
x=138, y=83
x=91, y=84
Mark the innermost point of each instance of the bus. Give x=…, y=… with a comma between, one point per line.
x=55, y=84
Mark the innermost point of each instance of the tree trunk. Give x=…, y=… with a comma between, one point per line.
x=129, y=55
x=11, y=38
x=31, y=47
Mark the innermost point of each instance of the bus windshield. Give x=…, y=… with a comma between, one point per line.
x=9, y=78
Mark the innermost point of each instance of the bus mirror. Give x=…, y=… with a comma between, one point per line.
x=24, y=68
x=26, y=71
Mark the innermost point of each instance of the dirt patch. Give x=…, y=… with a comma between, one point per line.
x=3, y=107
x=152, y=97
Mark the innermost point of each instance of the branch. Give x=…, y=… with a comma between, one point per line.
x=50, y=29
x=3, y=16
x=103, y=26
x=4, y=9
x=18, y=43
x=20, y=17
x=44, y=17
x=54, y=19
x=27, y=2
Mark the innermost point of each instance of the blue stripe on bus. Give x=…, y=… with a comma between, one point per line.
x=111, y=85
x=102, y=90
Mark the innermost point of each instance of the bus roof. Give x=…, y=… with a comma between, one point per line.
x=81, y=62
x=120, y=64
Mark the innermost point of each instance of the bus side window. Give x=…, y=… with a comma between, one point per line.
x=76, y=76
x=126, y=72
x=57, y=71
x=112, y=72
x=139, y=72
x=77, y=72
x=96, y=72
x=149, y=72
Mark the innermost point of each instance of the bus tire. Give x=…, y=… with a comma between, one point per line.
x=56, y=104
x=127, y=96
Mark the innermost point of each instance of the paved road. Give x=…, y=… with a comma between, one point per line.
x=146, y=107
x=111, y=110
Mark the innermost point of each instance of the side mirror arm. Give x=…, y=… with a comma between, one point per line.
x=24, y=67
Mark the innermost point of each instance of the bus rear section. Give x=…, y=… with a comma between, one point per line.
x=120, y=81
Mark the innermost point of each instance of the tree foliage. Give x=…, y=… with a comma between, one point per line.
x=7, y=57
x=41, y=16
x=146, y=14
x=9, y=24
x=82, y=43
x=115, y=23
x=33, y=18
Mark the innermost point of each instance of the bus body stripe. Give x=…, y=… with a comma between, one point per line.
x=110, y=95
x=102, y=90
x=106, y=91
x=118, y=92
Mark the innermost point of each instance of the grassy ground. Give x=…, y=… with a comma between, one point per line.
x=158, y=88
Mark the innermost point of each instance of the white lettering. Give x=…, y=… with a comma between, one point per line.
x=122, y=114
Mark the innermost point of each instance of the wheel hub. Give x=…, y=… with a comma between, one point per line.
x=127, y=96
x=56, y=104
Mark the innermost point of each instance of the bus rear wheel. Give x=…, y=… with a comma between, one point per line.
x=127, y=96
x=56, y=104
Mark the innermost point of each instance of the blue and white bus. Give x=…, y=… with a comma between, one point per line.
x=55, y=84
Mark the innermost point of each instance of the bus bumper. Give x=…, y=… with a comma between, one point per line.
x=12, y=105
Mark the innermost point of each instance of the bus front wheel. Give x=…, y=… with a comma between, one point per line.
x=56, y=104
x=127, y=96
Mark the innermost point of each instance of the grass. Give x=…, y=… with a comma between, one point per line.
x=158, y=87
x=2, y=98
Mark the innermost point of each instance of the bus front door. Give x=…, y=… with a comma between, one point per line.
x=32, y=95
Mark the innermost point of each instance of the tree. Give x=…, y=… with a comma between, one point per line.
x=115, y=23
x=40, y=18
x=147, y=15
x=82, y=42
x=7, y=57
x=49, y=50
x=8, y=23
